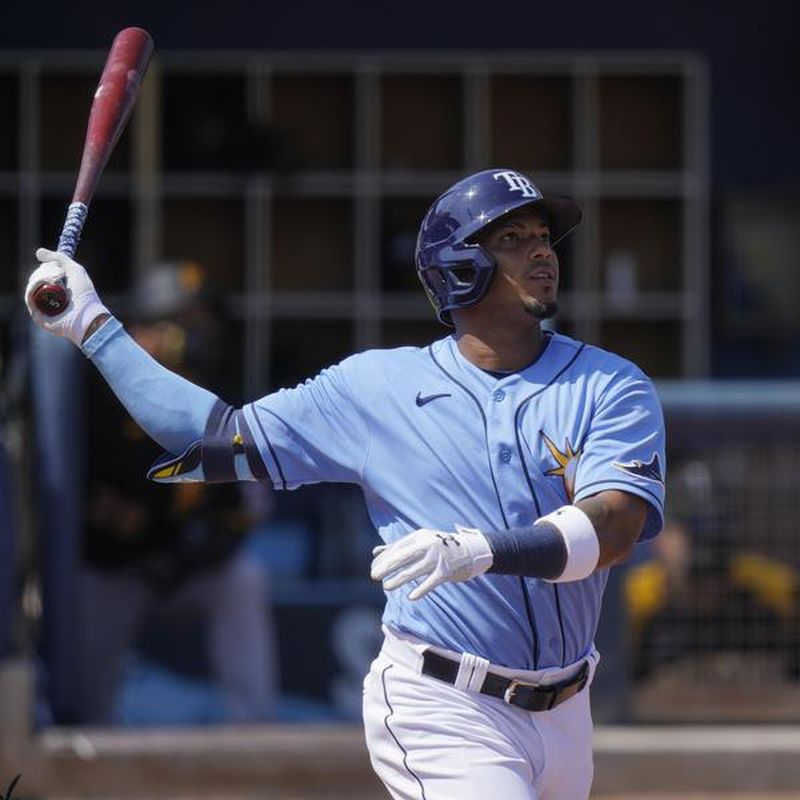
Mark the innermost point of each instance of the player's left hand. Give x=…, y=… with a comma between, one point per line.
x=436, y=556
x=84, y=305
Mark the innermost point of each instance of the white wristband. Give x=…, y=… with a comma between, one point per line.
x=580, y=538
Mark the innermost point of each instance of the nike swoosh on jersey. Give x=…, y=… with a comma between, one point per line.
x=650, y=470
x=421, y=401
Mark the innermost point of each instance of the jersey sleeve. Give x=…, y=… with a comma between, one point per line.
x=624, y=448
x=313, y=433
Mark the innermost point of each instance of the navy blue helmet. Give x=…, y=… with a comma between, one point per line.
x=453, y=268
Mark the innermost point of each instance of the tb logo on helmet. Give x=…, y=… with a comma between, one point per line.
x=518, y=183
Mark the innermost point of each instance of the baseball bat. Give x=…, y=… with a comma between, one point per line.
x=112, y=105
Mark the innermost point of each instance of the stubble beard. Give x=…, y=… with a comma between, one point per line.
x=541, y=310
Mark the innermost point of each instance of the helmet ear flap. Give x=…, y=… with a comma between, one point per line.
x=455, y=276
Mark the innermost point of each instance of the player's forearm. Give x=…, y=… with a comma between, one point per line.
x=170, y=409
x=573, y=541
x=618, y=519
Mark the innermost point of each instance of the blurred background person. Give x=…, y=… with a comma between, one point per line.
x=156, y=562
x=703, y=601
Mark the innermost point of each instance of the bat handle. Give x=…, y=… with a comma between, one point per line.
x=52, y=298
x=73, y=225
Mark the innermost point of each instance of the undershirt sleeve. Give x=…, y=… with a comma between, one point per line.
x=170, y=409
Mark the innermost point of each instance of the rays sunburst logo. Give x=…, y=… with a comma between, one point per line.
x=566, y=463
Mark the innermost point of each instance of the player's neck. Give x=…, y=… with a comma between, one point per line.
x=500, y=348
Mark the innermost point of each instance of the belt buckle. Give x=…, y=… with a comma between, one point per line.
x=511, y=689
x=538, y=688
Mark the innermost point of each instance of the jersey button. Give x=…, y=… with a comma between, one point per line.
x=505, y=455
x=498, y=396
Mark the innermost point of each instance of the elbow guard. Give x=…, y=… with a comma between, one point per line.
x=225, y=453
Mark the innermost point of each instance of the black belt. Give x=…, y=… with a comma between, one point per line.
x=530, y=696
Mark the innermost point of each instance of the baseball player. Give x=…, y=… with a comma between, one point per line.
x=505, y=467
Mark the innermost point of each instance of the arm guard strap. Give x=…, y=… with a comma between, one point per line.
x=225, y=453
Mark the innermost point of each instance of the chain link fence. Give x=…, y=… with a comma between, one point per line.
x=714, y=602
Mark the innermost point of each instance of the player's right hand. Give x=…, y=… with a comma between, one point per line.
x=84, y=305
x=434, y=557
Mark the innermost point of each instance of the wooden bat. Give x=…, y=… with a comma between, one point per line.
x=112, y=105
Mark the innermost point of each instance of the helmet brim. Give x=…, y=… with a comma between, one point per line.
x=563, y=211
x=565, y=216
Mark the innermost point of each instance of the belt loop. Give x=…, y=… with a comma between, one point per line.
x=472, y=671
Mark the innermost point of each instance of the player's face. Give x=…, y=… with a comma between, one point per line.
x=527, y=266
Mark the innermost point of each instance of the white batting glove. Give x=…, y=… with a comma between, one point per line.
x=435, y=555
x=84, y=305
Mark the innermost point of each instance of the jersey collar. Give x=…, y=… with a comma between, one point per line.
x=554, y=357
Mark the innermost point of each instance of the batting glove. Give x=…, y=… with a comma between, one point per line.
x=84, y=305
x=435, y=556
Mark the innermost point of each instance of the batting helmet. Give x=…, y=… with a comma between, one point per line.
x=453, y=268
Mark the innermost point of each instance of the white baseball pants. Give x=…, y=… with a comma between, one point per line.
x=429, y=740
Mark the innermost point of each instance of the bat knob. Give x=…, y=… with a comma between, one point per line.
x=51, y=299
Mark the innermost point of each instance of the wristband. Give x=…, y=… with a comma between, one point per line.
x=560, y=546
x=580, y=538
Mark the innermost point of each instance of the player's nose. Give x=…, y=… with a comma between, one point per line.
x=540, y=247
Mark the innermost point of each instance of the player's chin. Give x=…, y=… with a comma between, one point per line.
x=540, y=308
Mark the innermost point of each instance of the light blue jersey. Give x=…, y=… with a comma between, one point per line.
x=435, y=441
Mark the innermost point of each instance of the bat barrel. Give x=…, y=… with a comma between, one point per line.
x=112, y=105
